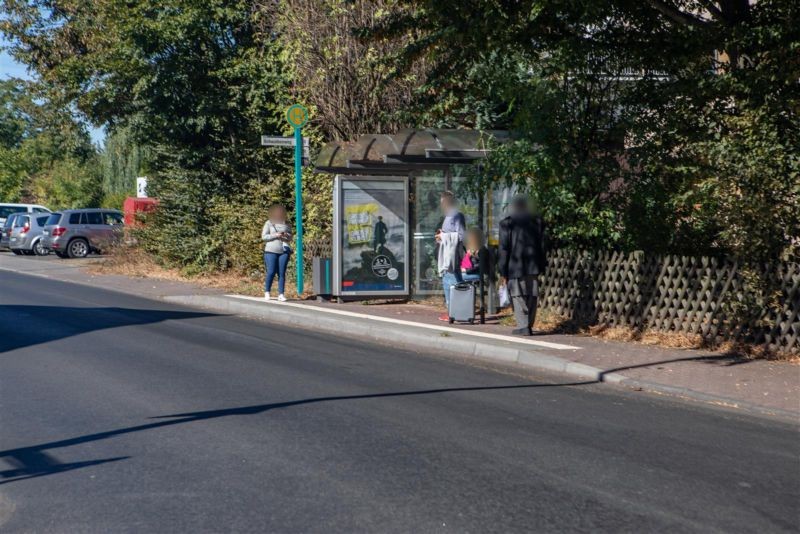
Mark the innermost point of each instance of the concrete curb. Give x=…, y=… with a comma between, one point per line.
x=454, y=344
x=409, y=336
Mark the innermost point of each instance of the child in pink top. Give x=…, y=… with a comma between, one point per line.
x=471, y=262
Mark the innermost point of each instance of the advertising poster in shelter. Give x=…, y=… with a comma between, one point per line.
x=374, y=236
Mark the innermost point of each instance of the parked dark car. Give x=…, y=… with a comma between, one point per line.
x=77, y=233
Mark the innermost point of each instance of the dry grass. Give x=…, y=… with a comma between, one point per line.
x=132, y=262
x=672, y=340
x=126, y=261
x=550, y=322
x=507, y=319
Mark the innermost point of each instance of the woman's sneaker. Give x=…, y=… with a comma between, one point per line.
x=281, y=298
x=266, y=296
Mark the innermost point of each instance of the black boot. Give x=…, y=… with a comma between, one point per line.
x=521, y=332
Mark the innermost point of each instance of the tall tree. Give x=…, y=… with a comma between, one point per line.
x=195, y=81
x=46, y=155
x=342, y=76
x=124, y=159
x=667, y=88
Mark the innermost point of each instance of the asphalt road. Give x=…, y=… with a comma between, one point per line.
x=120, y=414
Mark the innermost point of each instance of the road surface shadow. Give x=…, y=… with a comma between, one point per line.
x=33, y=461
x=26, y=325
x=722, y=359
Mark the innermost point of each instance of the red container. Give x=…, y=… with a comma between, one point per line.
x=133, y=206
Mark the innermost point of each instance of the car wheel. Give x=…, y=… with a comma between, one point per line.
x=78, y=248
x=16, y=251
x=39, y=250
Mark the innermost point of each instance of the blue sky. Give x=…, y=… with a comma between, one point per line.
x=9, y=68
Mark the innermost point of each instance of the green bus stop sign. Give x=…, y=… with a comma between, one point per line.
x=297, y=116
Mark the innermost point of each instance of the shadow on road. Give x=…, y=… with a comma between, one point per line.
x=33, y=461
x=722, y=359
x=24, y=326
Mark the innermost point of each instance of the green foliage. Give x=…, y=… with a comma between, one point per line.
x=14, y=123
x=46, y=155
x=317, y=205
x=123, y=160
x=177, y=233
x=752, y=174
x=186, y=88
x=12, y=174
x=69, y=183
x=668, y=126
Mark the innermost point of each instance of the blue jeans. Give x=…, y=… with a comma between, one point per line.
x=448, y=281
x=470, y=277
x=275, y=264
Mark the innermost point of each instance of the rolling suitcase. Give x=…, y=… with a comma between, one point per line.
x=462, y=303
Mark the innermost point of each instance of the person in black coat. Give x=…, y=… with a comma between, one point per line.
x=521, y=260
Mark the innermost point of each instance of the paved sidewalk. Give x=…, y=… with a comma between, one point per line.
x=772, y=384
x=756, y=385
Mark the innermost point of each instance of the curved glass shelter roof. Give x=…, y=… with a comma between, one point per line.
x=407, y=150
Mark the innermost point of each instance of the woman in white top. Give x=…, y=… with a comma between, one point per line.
x=277, y=235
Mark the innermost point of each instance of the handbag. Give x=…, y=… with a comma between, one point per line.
x=503, y=297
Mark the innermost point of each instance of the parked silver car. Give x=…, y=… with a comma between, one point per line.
x=26, y=234
x=5, y=230
x=76, y=233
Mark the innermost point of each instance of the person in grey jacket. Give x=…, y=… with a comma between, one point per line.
x=451, y=236
x=277, y=235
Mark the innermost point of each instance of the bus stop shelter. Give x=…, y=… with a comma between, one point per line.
x=386, y=208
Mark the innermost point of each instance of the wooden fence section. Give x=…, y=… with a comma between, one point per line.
x=693, y=295
x=320, y=248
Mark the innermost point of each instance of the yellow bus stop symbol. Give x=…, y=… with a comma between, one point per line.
x=297, y=116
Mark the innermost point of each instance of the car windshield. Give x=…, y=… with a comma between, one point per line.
x=53, y=219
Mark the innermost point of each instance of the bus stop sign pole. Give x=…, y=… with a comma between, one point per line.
x=297, y=116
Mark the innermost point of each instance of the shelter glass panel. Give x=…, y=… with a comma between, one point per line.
x=463, y=184
x=428, y=218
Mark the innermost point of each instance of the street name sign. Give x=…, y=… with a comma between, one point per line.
x=268, y=140
x=288, y=142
